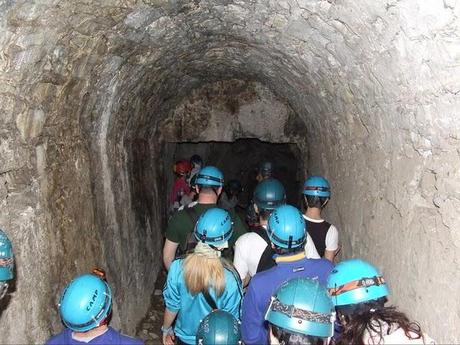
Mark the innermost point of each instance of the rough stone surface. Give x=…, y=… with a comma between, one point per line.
x=87, y=87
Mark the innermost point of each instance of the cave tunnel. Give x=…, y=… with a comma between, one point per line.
x=99, y=97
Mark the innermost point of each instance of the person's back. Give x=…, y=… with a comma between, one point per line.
x=110, y=336
x=193, y=308
x=180, y=186
x=179, y=239
x=317, y=193
x=263, y=285
x=253, y=252
x=202, y=281
x=85, y=309
x=286, y=229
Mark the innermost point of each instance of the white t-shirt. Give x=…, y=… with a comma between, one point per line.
x=396, y=337
x=332, y=236
x=249, y=249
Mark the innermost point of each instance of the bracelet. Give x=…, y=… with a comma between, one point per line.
x=166, y=330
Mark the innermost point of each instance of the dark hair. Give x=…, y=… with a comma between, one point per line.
x=293, y=338
x=371, y=317
x=315, y=201
x=286, y=251
x=264, y=214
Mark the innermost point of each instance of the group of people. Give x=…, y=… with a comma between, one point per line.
x=267, y=279
x=271, y=279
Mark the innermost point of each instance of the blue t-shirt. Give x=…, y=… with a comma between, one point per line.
x=264, y=284
x=108, y=338
x=192, y=309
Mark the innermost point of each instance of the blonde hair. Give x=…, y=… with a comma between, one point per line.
x=202, y=272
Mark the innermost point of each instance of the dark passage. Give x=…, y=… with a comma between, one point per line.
x=240, y=159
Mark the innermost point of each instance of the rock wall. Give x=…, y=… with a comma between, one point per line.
x=86, y=89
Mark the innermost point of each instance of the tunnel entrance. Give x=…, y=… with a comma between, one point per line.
x=240, y=160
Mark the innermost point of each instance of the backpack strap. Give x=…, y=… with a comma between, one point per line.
x=266, y=260
x=209, y=300
x=190, y=241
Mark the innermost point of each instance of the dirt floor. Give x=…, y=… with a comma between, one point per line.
x=149, y=328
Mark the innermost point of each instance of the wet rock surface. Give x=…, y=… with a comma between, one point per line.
x=90, y=91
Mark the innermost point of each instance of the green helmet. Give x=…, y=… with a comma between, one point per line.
x=269, y=194
x=219, y=328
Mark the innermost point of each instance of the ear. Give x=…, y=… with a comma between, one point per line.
x=256, y=208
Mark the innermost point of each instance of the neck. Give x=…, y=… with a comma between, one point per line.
x=313, y=212
x=263, y=222
x=92, y=332
x=207, y=199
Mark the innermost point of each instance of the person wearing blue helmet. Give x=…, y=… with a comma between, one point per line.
x=6, y=263
x=202, y=281
x=359, y=292
x=301, y=312
x=317, y=193
x=264, y=171
x=85, y=308
x=179, y=232
x=253, y=250
x=287, y=233
x=219, y=328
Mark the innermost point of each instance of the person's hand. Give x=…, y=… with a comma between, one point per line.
x=168, y=338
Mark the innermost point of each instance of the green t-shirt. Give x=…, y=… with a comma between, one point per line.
x=181, y=224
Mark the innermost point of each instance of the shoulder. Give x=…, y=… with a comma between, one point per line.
x=176, y=265
x=247, y=238
x=59, y=339
x=124, y=339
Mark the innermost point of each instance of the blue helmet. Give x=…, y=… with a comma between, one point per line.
x=355, y=281
x=266, y=169
x=219, y=328
x=303, y=306
x=286, y=227
x=85, y=302
x=6, y=258
x=269, y=194
x=210, y=177
x=214, y=227
x=317, y=186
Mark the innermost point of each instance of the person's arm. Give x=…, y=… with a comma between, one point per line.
x=332, y=243
x=173, y=236
x=172, y=300
x=169, y=252
x=168, y=333
x=252, y=320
